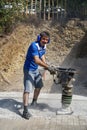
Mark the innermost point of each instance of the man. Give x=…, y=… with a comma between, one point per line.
x=32, y=77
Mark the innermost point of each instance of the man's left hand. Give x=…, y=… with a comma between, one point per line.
x=51, y=69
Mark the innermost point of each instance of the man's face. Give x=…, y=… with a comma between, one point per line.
x=44, y=40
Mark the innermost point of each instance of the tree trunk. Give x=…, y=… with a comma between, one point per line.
x=48, y=9
x=40, y=9
x=57, y=9
x=44, y=9
x=53, y=9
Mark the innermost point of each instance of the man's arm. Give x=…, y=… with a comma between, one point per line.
x=40, y=62
x=43, y=59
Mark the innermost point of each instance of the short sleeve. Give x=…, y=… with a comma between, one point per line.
x=34, y=50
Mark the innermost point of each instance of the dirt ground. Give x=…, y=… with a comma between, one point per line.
x=68, y=48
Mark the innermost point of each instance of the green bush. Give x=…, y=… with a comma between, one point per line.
x=9, y=13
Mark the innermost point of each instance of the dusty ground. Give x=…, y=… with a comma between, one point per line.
x=67, y=48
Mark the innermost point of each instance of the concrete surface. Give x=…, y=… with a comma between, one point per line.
x=44, y=115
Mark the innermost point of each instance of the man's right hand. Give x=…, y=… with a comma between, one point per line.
x=51, y=69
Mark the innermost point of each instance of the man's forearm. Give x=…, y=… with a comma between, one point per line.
x=40, y=62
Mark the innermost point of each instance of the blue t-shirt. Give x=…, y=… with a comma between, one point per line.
x=35, y=49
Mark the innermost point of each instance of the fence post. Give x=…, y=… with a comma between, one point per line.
x=52, y=9
x=44, y=9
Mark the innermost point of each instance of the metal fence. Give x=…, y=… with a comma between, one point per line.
x=54, y=10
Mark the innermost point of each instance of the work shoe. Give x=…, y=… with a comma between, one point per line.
x=34, y=104
x=64, y=111
x=26, y=115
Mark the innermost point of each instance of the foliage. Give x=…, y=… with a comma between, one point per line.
x=75, y=8
x=10, y=11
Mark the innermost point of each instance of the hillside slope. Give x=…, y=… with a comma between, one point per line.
x=13, y=48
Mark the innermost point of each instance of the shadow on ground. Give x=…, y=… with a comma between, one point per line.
x=16, y=107
x=11, y=105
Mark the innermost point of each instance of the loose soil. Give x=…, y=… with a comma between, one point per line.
x=68, y=48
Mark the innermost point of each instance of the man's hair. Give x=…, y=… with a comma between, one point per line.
x=42, y=34
x=45, y=33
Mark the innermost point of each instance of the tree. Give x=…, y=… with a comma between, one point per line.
x=75, y=8
x=10, y=12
